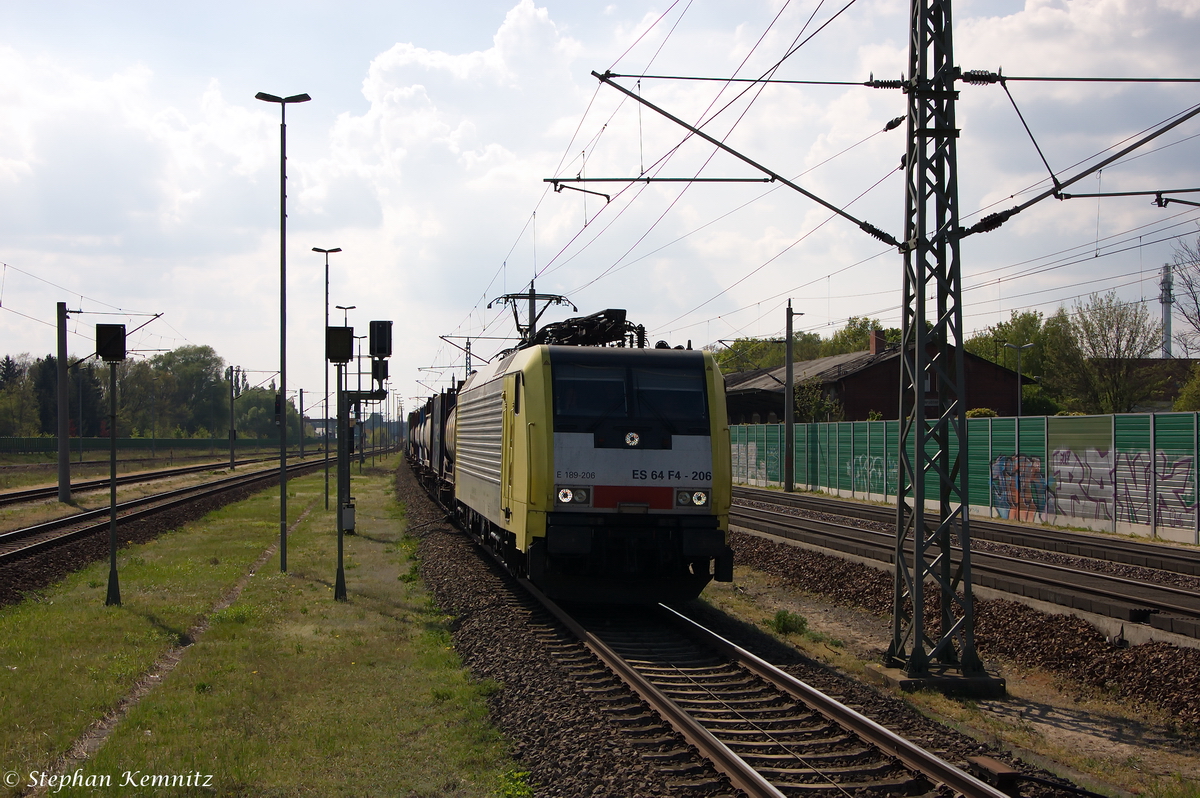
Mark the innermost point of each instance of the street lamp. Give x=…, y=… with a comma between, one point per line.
x=283, y=104
x=1019, y=349
x=326, y=405
x=346, y=314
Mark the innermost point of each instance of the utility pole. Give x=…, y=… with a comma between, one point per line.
x=64, y=410
x=789, y=408
x=933, y=436
x=301, y=423
x=232, y=426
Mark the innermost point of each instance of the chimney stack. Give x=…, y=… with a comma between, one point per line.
x=878, y=342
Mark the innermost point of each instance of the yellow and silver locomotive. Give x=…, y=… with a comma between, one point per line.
x=601, y=473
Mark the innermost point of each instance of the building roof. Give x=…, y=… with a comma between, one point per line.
x=823, y=369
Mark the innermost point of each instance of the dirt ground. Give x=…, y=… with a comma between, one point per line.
x=1091, y=739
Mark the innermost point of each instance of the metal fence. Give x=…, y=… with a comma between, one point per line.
x=1133, y=474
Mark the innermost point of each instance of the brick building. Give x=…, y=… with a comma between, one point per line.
x=863, y=382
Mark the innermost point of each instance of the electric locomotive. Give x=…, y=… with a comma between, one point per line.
x=602, y=473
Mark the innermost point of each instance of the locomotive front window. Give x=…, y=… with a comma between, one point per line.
x=670, y=394
x=589, y=392
x=587, y=396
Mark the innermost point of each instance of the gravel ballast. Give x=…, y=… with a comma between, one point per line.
x=559, y=731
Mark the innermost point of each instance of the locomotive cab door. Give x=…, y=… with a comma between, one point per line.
x=507, y=434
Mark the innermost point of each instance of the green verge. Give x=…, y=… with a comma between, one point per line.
x=287, y=692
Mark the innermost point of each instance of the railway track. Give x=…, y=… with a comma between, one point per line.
x=769, y=733
x=710, y=717
x=20, y=543
x=51, y=491
x=1145, y=599
x=1145, y=554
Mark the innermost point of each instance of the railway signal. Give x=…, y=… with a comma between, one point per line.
x=110, y=347
x=339, y=349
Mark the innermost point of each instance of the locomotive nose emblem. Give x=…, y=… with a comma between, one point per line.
x=632, y=439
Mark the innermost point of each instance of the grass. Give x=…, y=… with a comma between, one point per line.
x=288, y=692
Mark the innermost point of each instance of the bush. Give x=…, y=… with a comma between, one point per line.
x=982, y=412
x=786, y=622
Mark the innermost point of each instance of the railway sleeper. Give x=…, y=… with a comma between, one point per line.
x=818, y=739
x=908, y=786
x=816, y=729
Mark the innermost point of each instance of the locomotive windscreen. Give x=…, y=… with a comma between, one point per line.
x=585, y=392
x=632, y=386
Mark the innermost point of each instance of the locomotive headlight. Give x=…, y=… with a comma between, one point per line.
x=572, y=495
x=700, y=498
x=683, y=498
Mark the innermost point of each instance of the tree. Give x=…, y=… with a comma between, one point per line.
x=85, y=388
x=18, y=404
x=1189, y=395
x=10, y=372
x=748, y=354
x=856, y=336
x=255, y=411
x=1187, y=293
x=43, y=375
x=1020, y=329
x=1093, y=355
x=197, y=392
x=813, y=405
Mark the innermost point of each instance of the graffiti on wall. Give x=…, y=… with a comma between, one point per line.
x=1084, y=484
x=1099, y=485
x=1018, y=487
x=873, y=473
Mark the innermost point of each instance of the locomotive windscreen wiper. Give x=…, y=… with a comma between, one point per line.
x=618, y=402
x=644, y=400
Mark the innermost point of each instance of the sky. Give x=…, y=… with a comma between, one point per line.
x=139, y=175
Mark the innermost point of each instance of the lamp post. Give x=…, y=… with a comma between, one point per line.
x=346, y=313
x=1019, y=349
x=283, y=104
x=326, y=405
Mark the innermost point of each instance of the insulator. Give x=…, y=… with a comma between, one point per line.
x=979, y=77
x=993, y=220
x=885, y=84
x=893, y=124
x=872, y=230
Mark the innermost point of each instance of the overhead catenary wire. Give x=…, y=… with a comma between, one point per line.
x=1053, y=177
x=567, y=150
x=694, y=130
x=659, y=164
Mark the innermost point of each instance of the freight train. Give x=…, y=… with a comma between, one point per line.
x=600, y=472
